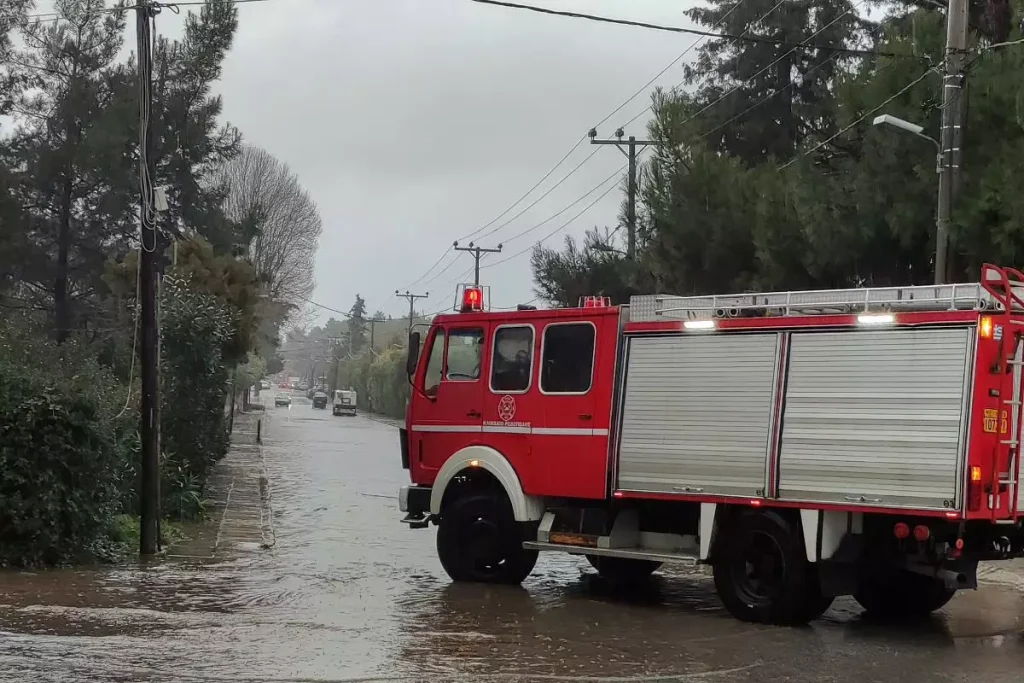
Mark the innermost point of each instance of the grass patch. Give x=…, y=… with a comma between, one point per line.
x=126, y=533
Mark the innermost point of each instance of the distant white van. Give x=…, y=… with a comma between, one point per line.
x=344, y=402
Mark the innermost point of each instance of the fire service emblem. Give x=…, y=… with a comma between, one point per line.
x=506, y=407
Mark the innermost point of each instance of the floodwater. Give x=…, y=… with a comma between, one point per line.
x=347, y=593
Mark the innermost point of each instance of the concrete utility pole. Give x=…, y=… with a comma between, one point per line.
x=476, y=251
x=629, y=149
x=951, y=135
x=149, y=302
x=412, y=303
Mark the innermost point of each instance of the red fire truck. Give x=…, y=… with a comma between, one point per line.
x=805, y=444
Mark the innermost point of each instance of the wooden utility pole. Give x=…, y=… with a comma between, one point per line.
x=149, y=301
x=373, y=321
x=412, y=303
x=627, y=147
x=951, y=137
x=476, y=252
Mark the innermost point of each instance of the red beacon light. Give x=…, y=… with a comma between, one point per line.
x=472, y=299
x=595, y=301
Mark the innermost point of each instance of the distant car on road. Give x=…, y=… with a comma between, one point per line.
x=282, y=400
x=265, y=384
x=320, y=400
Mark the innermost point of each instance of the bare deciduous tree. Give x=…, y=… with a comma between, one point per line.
x=280, y=223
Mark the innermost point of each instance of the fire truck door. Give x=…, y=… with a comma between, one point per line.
x=453, y=419
x=570, y=434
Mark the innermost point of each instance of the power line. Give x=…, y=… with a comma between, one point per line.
x=540, y=198
x=572, y=149
x=431, y=268
x=860, y=118
x=678, y=59
x=553, y=232
x=691, y=31
x=544, y=222
x=764, y=69
x=57, y=16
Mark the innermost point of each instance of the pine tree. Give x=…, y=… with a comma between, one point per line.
x=73, y=177
x=357, y=325
x=760, y=100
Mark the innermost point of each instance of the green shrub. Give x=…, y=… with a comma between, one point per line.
x=64, y=443
x=195, y=327
x=380, y=381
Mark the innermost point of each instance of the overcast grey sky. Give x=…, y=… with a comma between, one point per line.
x=414, y=122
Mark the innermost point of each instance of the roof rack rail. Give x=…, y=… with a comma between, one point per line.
x=951, y=297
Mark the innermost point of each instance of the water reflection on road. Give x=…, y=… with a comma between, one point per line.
x=348, y=593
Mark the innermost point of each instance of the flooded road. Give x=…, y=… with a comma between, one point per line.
x=347, y=593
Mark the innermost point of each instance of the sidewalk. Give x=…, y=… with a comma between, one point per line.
x=1006, y=573
x=240, y=514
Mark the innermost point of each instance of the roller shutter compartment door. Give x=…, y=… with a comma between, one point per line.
x=876, y=417
x=697, y=413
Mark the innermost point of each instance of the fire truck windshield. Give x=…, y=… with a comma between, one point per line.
x=465, y=352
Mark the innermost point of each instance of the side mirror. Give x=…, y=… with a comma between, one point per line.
x=413, y=354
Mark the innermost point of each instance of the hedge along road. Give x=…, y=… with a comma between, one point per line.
x=348, y=593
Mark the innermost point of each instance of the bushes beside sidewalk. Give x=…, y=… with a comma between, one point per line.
x=69, y=444
x=65, y=450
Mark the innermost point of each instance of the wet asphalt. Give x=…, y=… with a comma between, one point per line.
x=347, y=593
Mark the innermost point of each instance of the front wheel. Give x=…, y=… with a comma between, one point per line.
x=894, y=593
x=479, y=540
x=762, y=574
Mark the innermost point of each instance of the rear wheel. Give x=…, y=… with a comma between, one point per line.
x=479, y=540
x=893, y=593
x=621, y=569
x=762, y=574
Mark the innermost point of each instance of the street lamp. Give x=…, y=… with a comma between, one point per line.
x=945, y=198
x=913, y=128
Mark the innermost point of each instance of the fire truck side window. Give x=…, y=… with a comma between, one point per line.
x=432, y=377
x=465, y=353
x=512, y=365
x=567, y=361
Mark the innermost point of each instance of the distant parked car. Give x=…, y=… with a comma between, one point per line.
x=282, y=400
x=320, y=400
x=265, y=384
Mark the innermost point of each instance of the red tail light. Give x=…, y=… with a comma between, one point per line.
x=974, y=490
x=901, y=530
x=922, y=533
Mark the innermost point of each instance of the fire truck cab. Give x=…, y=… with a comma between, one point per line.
x=806, y=445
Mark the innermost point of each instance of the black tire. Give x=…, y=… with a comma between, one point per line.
x=621, y=569
x=817, y=604
x=479, y=540
x=893, y=593
x=762, y=574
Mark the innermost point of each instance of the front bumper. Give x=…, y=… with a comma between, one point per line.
x=415, y=502
x=414, y=499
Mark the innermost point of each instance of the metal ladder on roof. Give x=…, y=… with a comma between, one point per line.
x=1002, y=283
x=948, y=297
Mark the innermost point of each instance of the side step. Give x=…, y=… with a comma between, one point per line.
x=628, y=553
